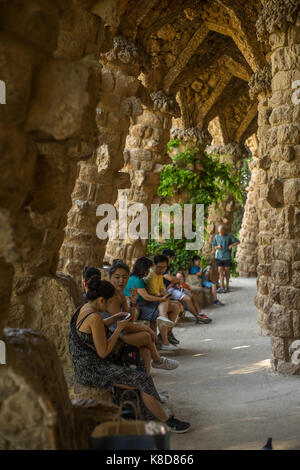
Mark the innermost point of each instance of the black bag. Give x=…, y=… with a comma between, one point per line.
x=130, y=355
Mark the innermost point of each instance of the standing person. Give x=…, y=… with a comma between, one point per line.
x=177, y=294
x=141, y=336
x=151, y=307
x=223, y=243
x=203, y=274
x=96, y=355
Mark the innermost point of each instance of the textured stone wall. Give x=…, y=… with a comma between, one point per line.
x=36, y=411
x=99, y=178
x=144, y=155
x=278, y=178
x=246, y=254
x=49, y=52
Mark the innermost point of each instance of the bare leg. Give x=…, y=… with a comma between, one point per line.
x=188, y=301
x=151, y=403
x=196, y=302
x=146, y=355
x=163, y=308
x=142, y=339
x=164, y=333
x=214, y=291
x=227, y=274
x=221, y=276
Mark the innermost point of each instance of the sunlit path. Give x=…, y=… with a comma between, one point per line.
x=224, y=384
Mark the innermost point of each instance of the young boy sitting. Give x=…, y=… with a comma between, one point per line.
x=197, y=270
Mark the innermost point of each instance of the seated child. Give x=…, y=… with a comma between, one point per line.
x=197, y=270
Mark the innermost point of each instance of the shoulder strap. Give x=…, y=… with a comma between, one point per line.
x=82, y=320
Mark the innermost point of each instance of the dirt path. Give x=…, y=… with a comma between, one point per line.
x=224, y=385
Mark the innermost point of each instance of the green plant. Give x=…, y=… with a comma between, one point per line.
x=208, y=185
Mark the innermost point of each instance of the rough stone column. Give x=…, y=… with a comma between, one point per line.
x=232, y=153
x=46, y=127
x=246, y=254
x=144, y=155
x=278, y=296
x=99, y=178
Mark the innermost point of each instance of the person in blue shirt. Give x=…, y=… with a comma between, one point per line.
x=223, y=243
x=204, y=274
x=151, y=307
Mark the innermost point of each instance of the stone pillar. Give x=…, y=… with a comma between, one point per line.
x=232, y=153
x=246, y=254
x=145, y=154
x=99, y=178
x=46, y=126
x=278, y=298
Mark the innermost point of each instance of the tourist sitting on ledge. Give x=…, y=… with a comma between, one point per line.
x=177, y=294
x=141, y=336
x=197, y=270
x=155, y=286
x=151, y=307
x=96, y=354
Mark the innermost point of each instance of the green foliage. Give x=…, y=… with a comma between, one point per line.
x=208, y=186
x=211, y=186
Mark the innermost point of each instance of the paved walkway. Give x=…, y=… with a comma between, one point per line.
x=224, y=385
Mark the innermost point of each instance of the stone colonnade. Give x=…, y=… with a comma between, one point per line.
x=278, y=283
x=144, y=155
x=100, y=178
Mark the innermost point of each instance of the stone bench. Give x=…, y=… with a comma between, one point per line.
x=36, y=410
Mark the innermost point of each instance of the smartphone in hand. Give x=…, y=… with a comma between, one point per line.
x=126, y=318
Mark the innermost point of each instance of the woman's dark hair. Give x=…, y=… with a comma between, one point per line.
x=117, y=264
x=160, y=259
x=168, y=252
x=97, y=288
x=90, y=271
x=141, y=266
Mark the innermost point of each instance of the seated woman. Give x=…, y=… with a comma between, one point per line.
x=197, y=270
x=95, y=354
x=151, y=307
x=141, y=336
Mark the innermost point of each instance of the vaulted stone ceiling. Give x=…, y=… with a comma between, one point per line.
x=206, y=51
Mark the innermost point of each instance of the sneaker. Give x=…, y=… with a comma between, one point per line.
x=201, y=318
x=220, y=290
x=178, y=426
x=226, y=290
x=168, y=347
x=167, y=364
x=165, y=321
x=217, y=302
x=163, y=398
x=172, y=338
x=187, y=311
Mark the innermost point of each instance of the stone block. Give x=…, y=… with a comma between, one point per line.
x=279, y=321
x=278, y=348
x=291, y=192
x=36, y=413
x=283, y=250
x=290, y=297
x=280, y=272
x=64, y=105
